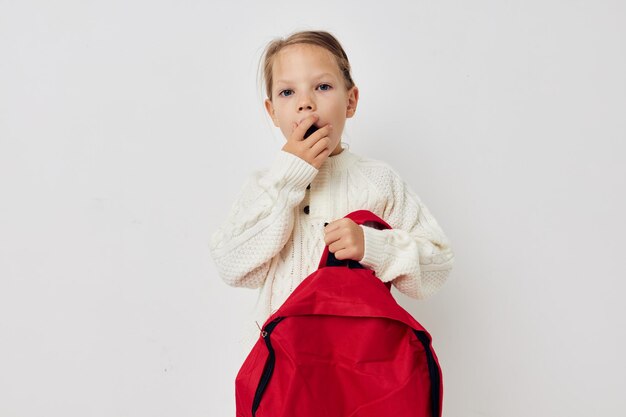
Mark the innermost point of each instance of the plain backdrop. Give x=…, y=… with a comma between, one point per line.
x=128, y=127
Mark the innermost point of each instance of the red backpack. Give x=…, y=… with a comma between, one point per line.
x=341, y=346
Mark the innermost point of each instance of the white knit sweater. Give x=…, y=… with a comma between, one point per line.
x=268, y=240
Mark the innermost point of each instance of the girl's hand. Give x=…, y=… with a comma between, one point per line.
x=345, y=239
x=314, y=149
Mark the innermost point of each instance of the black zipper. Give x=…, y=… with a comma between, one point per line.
x=433, y=372
x=268, y=369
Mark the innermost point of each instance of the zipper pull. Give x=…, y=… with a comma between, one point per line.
x=263, y=332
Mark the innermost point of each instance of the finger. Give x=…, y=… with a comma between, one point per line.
x=336, y=225
x=319, y=134
x=330, y=226
x=331, y=237
x=335, y=247
x=320, y=146
x=319, y=159
x=342, y=254
x=298, y=133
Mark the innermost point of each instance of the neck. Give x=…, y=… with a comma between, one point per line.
x=337, y=150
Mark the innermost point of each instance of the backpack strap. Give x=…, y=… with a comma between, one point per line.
x=360, y=217
x=365, y=216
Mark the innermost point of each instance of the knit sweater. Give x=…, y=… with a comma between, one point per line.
x=273, y=236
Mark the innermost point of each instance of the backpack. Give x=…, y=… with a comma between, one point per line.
x=341, y=346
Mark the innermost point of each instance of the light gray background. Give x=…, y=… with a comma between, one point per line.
x=128, y=127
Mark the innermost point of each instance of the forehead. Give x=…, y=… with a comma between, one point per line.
x=302, y=59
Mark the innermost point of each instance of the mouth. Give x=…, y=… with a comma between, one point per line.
x=310, y=131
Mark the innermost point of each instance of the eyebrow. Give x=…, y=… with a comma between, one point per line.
x=326, y=74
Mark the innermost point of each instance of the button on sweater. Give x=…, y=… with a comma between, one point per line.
x=273, y=236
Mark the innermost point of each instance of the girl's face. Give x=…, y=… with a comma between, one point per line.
x=307, y=80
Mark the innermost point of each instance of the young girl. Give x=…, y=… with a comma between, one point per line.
x=286, y=214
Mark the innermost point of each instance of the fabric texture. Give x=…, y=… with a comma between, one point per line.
x=273, y=235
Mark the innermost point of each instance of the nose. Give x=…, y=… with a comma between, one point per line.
x=306, y=103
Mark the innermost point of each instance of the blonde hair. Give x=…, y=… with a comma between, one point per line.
x=312, y=37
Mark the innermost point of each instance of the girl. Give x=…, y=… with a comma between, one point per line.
x=286, y=214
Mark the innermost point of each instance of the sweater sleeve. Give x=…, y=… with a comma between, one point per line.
x=260, y=221
x=415, y=254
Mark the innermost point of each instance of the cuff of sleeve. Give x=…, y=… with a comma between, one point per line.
x=375, y=241
x=292, y=169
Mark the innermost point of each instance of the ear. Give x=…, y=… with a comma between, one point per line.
x=269, y=107
x=353, y=99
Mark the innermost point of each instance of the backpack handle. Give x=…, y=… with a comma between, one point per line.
x=359, y=217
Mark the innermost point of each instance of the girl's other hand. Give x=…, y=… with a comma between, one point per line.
x=345, y=239
x=314, y=149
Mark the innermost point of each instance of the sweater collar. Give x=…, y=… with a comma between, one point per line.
x=341, y=160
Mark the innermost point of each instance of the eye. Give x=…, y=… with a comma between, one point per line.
x=285, y=91
x=325, y=85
